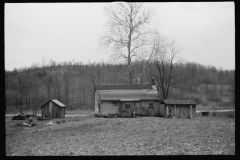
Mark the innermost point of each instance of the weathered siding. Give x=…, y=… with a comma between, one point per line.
x=141, y=108
x=52, y=110
x=109, y=107
x=55, y=111
x=96, y=103
x=161, y=109
x=182, y=110
x=62, y=112
x=156, y=108
x=144, y=108
x=45, y=111
x=137, y=108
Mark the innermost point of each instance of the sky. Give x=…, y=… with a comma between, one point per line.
x=39, y=32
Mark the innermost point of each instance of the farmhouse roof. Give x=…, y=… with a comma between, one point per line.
x=60, y=104
x=170, y=101
x=128, y=95
x=124, y=87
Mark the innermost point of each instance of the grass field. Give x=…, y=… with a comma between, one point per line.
x=87, y=135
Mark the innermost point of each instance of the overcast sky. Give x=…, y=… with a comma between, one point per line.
x=67, y=31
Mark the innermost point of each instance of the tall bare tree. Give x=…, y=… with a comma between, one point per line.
x=162, y=69
x=48, y=82
x=22, y=78
x=35, y=89
x=128, y=34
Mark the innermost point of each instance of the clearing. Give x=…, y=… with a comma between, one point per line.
x=87, y=135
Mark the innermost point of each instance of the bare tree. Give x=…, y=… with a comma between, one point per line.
x=48, y=82
x=161, y=71
x=35, y=89
x=95, y=78
x=66, y=82
x=232, y=88
x=22, y=78
x=127, y=34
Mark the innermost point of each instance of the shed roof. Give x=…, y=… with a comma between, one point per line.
x=60, y=104
x=170, y=101
x=124, y=87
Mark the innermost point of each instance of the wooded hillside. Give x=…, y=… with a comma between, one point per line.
x=73, y=83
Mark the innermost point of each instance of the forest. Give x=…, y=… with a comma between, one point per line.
x=73, y=83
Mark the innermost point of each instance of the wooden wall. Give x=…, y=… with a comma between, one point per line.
x=52, y=110
x=182, y=111
x=141, y=108
x=109, y=107
x=97, y=104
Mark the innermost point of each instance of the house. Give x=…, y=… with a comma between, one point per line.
x=122, y=100
x=185, y=109
x=53, y=109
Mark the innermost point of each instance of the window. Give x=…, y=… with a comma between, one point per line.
x=127, y=105
x=150, y=105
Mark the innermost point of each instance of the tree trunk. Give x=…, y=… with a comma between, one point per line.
x=21, y=105
x=33, y=105
x=26, y=101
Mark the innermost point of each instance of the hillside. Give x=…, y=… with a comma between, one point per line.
x=73, y=84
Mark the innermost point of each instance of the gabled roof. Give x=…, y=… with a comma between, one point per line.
x=124, y=87
x=170, y=101
x=60, y=104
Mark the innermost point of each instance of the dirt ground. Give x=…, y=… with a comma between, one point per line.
x=87, y=135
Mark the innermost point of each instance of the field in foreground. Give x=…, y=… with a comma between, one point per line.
x=123, y=136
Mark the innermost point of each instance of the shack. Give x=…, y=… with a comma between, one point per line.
x=53, y=109
x=185, y=109
x=122, y=100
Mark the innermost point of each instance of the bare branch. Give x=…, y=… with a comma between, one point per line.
x=127, y=31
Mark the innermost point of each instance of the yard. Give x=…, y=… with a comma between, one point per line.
x=87, y=135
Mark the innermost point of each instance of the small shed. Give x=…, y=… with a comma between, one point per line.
x=185, y=109
x=53, y=109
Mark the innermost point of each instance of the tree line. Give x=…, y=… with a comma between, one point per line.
x=74, y=83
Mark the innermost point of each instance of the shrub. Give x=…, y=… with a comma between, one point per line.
x=214, y=113
x=224, y=104
x=214, y=98
x=198, y=100
x=230, y=114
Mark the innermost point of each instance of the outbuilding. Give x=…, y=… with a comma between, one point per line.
x=53, y=109
x=123, y=100
x=185, y=109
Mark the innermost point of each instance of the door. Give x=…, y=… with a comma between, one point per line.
x=138, y=109
x=128, y=109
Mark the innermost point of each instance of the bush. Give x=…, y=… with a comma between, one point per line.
x=198, y=100
x=214, y=113
x=214, y=98
x=175, y=95
x=224, y=104
x=230, y=114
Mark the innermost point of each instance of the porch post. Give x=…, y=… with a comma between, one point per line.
x=190, y=111
x=175, y=110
